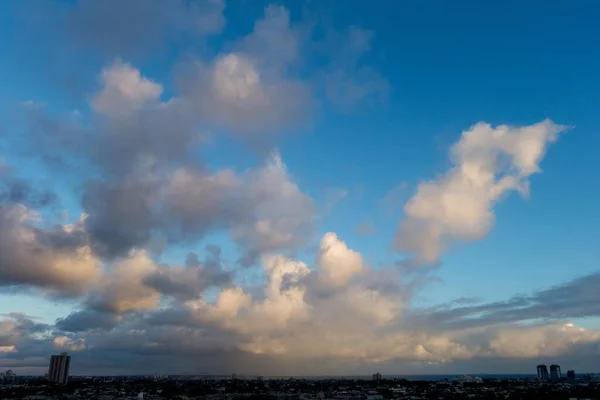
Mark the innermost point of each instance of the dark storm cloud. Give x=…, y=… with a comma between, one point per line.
x=87, y=319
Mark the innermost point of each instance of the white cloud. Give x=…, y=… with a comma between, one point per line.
x=361, y=319
x=250, y=90
x=540, y=341
x=282, y=217
x=236, y=81
x=123, y=287
x=300, y=319
x=337, y=263
x=124, y=90
x=487, y=163
x=66, y=343
x=263, y=208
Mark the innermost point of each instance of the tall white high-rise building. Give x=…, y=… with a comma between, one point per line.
x=58, y=372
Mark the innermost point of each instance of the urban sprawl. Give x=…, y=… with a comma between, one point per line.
x=57, y=384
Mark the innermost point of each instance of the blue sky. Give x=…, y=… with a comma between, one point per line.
x=430, y=71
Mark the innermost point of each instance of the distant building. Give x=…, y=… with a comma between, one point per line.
x=571, y=374
x=9, y=376
x=377, y=377
x=58, y=372
x=542, y=372
x=555, y=372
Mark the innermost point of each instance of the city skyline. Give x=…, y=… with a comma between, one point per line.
x=299, y=188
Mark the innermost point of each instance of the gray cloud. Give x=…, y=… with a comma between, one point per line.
x=574, y=299
x=148, y=188
x=251, y=90
x=87, y=319
x=191, y=281
x=137, y=27
x=15, y=190
x=135, y=284
x=57, y=259
x=137, y=143
x=120, y=215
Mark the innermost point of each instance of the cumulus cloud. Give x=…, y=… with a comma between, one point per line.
x=124, y=90
x=135, y=133
x=192, y=280
x=88, y=319
x=145, y=187
x=16, y=328
x=251, y=90
x=487, y=163
x=58, y=259
x=123, y=287
x=367, y=319
x=152, y=189
x=283, y=216
x=136, y=283
x=546, y=340
x=337, y=263
x=263, y=208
